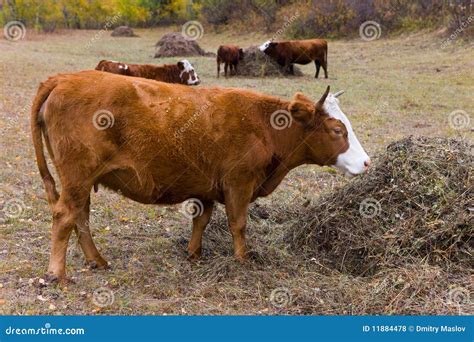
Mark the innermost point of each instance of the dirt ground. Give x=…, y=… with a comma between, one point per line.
x=395, y=87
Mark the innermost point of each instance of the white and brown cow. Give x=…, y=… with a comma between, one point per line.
x=182, y=72
x=232, y=150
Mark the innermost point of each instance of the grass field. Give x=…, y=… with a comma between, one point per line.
x=394, y=87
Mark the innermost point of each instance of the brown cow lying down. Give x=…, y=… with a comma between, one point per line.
x=230, y=55
x=300, y=52
x=160, y=143
x=182, y=72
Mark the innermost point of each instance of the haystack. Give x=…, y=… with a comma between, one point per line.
x=174, y=44
x=258, y=64
x=123, y=31
x=414, y=205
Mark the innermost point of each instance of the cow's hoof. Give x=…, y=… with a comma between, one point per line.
x=195, y=256
x=100, y=264
x=52, y=279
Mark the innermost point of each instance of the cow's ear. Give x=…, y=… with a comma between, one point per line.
x=180, y=65
x=302, y=109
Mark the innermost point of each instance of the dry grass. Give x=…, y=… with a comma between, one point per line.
x=394, y=88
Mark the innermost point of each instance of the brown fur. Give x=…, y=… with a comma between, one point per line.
x=169, y=73
x=230, y=55
x=169, y=143
x=300, y=52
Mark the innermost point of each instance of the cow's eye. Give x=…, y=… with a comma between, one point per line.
x=338, y=131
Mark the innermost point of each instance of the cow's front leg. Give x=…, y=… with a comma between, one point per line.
x=237, y=201
x=199, y=224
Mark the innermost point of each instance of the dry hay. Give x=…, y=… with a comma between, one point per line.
x=414, y=257
x=123, y=31
x=414, y=205
x=258, y=64
x=174, y=44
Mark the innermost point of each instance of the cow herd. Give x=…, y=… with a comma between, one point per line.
x=167, y=143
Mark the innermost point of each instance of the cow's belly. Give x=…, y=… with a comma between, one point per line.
x=302, y=59
x=159, y=189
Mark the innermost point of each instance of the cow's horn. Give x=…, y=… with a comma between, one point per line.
x=323, y=98
x=339, y=93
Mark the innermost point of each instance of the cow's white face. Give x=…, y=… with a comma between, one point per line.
x=189, y=73
x=264, y=46
x=355, y=160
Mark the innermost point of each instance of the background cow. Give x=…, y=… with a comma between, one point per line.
x=182, y=72
x=300, y=52
x=230, y=55
x=127, y=134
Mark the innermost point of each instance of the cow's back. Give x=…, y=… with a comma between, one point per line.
x=158, y=130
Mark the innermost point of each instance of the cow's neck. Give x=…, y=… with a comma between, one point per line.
x=287, y=147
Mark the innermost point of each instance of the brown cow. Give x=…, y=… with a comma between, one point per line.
x=230, y=55
x=160, y=143
x=300, y=52
x=182, y=72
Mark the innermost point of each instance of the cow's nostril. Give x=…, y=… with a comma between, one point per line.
x=367, y=163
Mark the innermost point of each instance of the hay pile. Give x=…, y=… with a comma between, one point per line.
x=258, y=64
x=414, y=205
x=174, y=44
x=123, y=31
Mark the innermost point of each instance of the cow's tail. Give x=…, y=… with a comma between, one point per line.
x=37, y=132
x=326, y=55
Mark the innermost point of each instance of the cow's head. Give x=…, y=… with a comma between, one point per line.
x=329, y=136
x=187, y=73
x=268, y=47
x=241, y=54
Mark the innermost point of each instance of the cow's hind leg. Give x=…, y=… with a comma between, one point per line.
x=218, y=68
x=199, y=224
x=226, y=67
x=325, y=68
x=318, y=66
x=93, y=257
x=65, y=214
